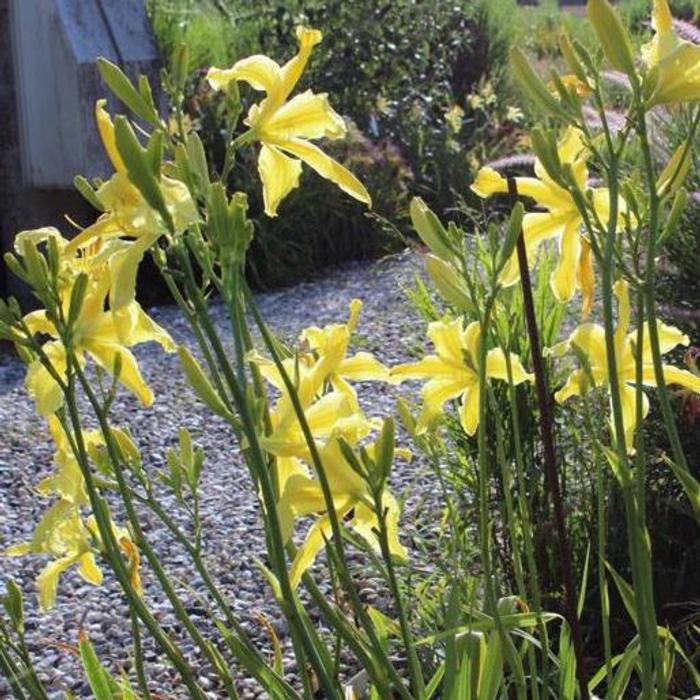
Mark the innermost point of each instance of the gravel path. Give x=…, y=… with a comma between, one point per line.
x=389, y=327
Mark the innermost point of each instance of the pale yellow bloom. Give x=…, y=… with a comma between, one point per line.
x=677, y=60
x=303, y=496
x=589, y=338
x=62, y=534
x=97, y=335
x=323, y=358
x=453, y=372
x=126, y=212
x=285, y=126
x=561, y=220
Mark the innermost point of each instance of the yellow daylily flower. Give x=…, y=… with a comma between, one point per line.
x=303, y=496
x=126, y=212
x=62, y=534
x=589, y=338
x=324, y=358
x=561, y=220
x=453, y=372
x=285, y=126
x=677, y=60
x=331, y=414
x=330, y=346
x=96, y=334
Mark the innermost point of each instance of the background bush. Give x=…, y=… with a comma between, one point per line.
x=423, y=84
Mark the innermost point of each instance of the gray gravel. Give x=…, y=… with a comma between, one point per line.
x=389, y=327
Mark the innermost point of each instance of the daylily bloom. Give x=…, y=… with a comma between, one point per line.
x=284, y=127
x=677, y=60
x=331, y=414
x=128, y=214
x=453, y=372
x=61, y=533
x=303, y=496
x=324, y=358
x=96, y=334
x=589, y=338
x=561, y=220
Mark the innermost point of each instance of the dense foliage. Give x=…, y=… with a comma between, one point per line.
x=554, y=405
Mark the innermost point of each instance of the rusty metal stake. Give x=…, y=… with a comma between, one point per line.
x=550, y=461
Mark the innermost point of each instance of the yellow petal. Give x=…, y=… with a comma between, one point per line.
x=105, y=354
x=306, y=115
x=469, y=409
x=497, y=369
x=448, y=340
x=179, y=203
x=570, y=146
x=260, y=72
x=292, y=70
x=576, y=385
x=41, y=385
x=661, y=18
x=489, y=182
x=366, y=524
x=564, y=278
x=47, y=580
x=286, y=468
x=326, y=167
x=89, y=570
x=670, y=337
x=630, y=420
x=363, y=367
x=472, y=342
x=427, y=368
x=279, y=175
x=106, y=129
x=38, y=322
x=105, y=227
x=590, y=339
x=537, y=227
x=435, y=394
x=316, y=538
x=672, y=376
x=124, y=266
x=679, y=72
x=345, y=388
x=143, y=329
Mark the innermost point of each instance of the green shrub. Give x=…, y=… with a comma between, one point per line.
x=427, y=91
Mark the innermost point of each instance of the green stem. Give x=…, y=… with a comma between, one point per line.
x=138, y=657
x=261, y=476
x=143, y=544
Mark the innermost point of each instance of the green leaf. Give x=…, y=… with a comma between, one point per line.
x=690, y=485
x=121, y=86
x=100, y=682
x=626, y=593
